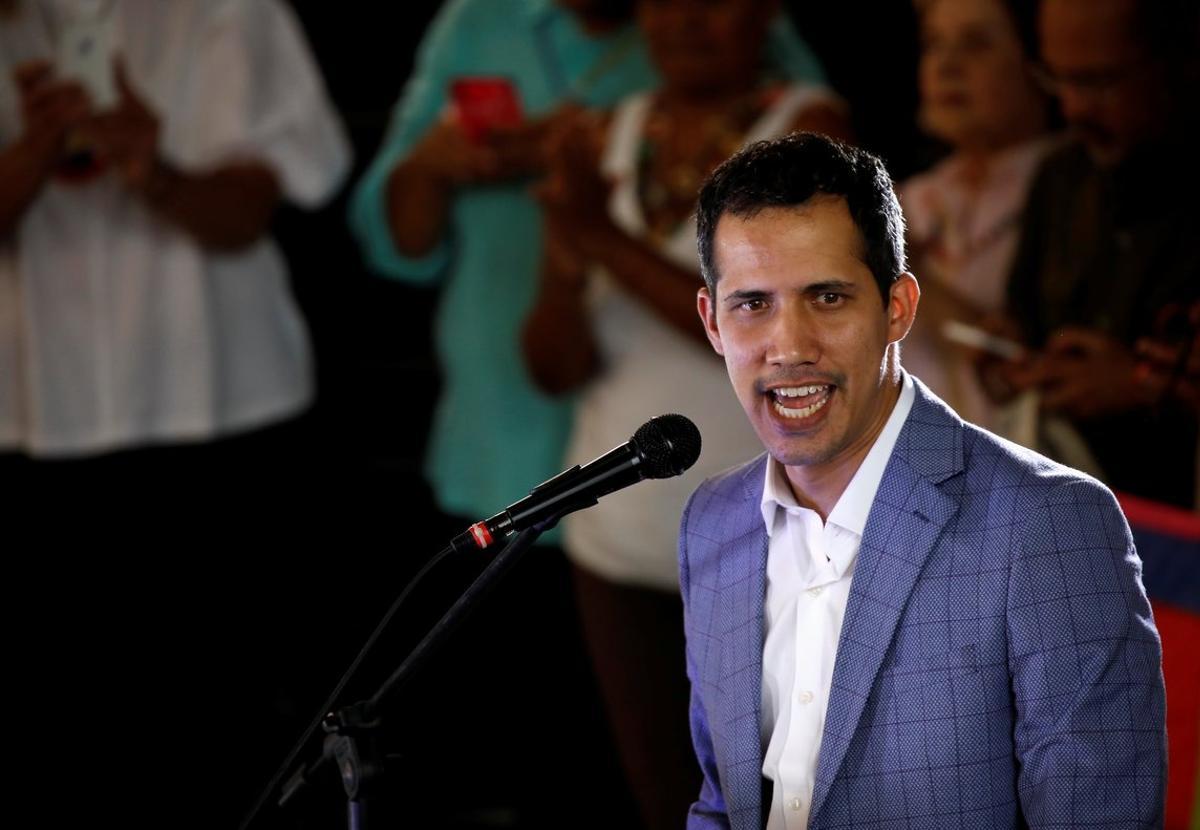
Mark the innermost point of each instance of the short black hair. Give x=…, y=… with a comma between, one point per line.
x=791, y=171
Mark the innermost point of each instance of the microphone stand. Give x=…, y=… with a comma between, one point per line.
x=351, y=732
x=662, y=447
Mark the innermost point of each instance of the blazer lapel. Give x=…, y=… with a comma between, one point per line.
x=905, y=521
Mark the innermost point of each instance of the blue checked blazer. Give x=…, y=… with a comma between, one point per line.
x=998, y=665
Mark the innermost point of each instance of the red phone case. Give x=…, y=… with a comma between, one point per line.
x=484, y=103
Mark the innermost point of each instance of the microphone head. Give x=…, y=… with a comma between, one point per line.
x=668, y=444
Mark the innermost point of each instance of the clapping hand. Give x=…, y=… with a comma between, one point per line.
x=1165, y=369
x=501, y=154
x=574, y=194
x=126, y=136
x=1085, y=374
x=50, y=108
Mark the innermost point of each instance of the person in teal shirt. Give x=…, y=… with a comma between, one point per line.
x=433, y=207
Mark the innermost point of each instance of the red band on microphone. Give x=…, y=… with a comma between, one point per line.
x=480, y=533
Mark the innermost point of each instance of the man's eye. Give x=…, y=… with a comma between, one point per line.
x=753, y=305
x=829, y=298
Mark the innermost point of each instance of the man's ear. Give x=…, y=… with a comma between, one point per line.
x=707, y=308
x=903, y=298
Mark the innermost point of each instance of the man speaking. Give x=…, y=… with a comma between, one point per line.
x=894, y=618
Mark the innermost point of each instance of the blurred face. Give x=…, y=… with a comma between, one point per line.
x=807, y=340
x=699, y=45
x=1112, y=92
x=976, y=90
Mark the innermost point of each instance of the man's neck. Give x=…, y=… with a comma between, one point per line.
x=820, y=486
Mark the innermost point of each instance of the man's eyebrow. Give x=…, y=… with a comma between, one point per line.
x=830, y=285
x=744, y=294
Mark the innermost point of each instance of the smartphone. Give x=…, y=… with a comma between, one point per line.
x=85, y=54
x=484, y=103
x=977, y=338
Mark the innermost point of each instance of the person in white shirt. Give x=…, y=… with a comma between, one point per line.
x=153, y=366
x=143, y=299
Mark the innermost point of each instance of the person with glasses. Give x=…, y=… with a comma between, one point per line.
x=1107, y=238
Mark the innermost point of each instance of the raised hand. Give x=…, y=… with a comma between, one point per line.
x=126, y=137
x=50, y=109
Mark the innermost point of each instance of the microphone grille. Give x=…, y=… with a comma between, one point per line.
x=669, y=444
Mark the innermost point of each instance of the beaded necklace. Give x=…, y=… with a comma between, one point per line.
x=674, y=158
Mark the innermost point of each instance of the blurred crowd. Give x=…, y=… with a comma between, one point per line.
x=536, y=179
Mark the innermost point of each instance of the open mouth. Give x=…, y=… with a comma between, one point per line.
x=798, y=402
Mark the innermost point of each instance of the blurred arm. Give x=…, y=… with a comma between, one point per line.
x=226, y=209
x=576, y=195
x=50, y=108
x=556, y=340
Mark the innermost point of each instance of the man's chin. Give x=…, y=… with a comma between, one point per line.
x=794, y=456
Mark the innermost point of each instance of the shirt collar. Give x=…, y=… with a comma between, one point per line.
x=854, y=505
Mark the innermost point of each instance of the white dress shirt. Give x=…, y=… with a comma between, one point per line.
x=809, y=568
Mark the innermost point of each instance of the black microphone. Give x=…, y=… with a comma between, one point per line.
x=661, y=448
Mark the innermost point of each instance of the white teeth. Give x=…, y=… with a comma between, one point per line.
x=798, y=391
x=802, y=412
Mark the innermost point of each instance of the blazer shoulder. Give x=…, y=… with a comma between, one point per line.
x=1035, y=478
x=726, y=502
x=738, y=483
x=942, y=447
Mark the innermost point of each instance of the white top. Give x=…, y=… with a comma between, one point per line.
x=116, y=329
x=809, y=568
x=965, y=238
x=650, y=368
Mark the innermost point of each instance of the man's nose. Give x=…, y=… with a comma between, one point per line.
x=795, y=339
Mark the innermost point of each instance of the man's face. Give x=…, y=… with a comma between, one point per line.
x=805, y=335
x=1112, y=92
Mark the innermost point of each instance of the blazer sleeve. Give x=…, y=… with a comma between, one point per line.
x=1086, y=666
x=708, y=812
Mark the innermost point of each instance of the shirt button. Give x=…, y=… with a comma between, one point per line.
x=805, y=697
x=796, y=804
x=815, y=592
